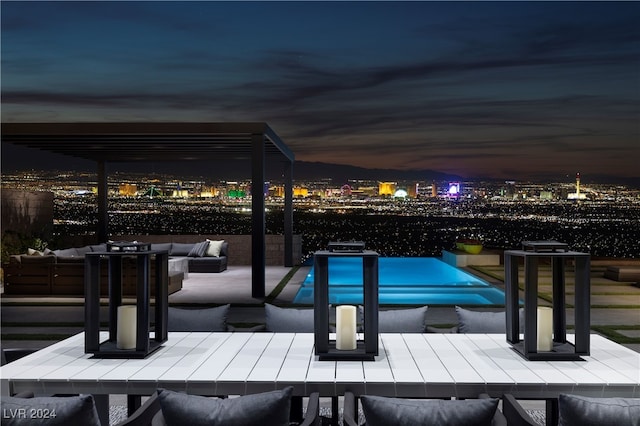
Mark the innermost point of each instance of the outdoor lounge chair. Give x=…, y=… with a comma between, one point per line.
x=151, y=411
x=406, y=412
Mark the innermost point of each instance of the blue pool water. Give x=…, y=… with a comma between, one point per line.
x=404, y=281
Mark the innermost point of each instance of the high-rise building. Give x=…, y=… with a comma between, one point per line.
x=386, y=188
x=128, y=189
x=300, y=192
x=577, y=195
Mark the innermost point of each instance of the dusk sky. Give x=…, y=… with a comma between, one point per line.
x=510, y=90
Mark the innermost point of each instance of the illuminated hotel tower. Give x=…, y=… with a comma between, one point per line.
x=386, y=188
x=578, y=185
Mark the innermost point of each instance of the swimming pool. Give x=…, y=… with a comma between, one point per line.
x=404, y=281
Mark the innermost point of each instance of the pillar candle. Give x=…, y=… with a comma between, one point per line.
x=545, y=329
x=126, y=333
x=346, y=327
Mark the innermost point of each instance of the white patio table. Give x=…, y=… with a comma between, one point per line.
x=409, y=365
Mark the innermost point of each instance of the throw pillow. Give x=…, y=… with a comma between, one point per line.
x=584, y=411
x=99, y=247
x=288, y=320
x=412, y=320
x=249, y=410
x=34, y=252
x=50, y=411
x=214, y=248
x=382, y=411
x=199, y=249
x=202, y=319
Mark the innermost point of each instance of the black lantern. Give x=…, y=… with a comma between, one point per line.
x=128, y=324
x=328, y=349
x=535, y=332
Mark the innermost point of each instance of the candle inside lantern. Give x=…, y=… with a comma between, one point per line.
x=126, y=333
x=545, y=329
x=346, y=327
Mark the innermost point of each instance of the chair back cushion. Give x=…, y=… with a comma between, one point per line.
x=198, y=319
x=382, y=411
x=411, y=320
x=484, y=322
x=577, y=410
x=50, y=411
x=272, y=408
x=288, y=320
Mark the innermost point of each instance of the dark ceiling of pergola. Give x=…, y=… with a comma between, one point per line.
x=126, y=142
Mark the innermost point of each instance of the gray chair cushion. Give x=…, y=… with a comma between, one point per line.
x=50, y=411
x=584, y=411
x=484, y=322
x=447, y=330
x=270, y=408
x=99, y=247
x=200, y=319
x=288, y=320
x=180, y=249
x=412, y=320
x=199, y=249
x=382, y=411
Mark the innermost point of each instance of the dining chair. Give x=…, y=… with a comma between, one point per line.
x=384, y=411
x=271, y=408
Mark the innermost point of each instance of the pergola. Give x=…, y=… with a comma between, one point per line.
x=147, y=142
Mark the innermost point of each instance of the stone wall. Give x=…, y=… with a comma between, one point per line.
x=239, y=246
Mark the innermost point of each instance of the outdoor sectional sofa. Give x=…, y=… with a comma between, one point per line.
x=61, y=272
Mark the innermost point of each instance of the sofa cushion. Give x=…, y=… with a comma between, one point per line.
x=581, y=410
x=411, y=320
x=382, y=411
x=180, y=249
x=99, y=247
x=214, y=248
x=201, y=319
x=66, y=252
x=81, y=251
x=199, y=249
x=50, y=411
x=161, y=247
x=249, y=410
x=288, y=320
